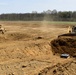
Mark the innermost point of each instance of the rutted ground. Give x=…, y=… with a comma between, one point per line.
x=25, y=47
x=60, y=69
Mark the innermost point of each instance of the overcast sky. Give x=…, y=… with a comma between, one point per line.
x=27, y=6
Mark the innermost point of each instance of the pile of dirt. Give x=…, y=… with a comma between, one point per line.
x=14, y=37
x=59, y=69
x=17, y=36
x=64, y=45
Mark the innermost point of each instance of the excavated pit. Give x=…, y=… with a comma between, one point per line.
x=64, y=45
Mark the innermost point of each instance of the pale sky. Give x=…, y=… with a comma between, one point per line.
x=27, y=6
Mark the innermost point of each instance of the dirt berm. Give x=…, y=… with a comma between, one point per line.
x=64, y=45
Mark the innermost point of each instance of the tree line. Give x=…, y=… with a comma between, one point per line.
x=54, y=16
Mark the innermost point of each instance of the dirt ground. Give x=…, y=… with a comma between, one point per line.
x=25, y=49
x=64, y=45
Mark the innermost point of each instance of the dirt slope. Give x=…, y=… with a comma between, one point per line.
x=64, y=45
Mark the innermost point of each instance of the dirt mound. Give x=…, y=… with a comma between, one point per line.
x=17, y=36
x=64, y=45
x=59, y=69
x=14, y=36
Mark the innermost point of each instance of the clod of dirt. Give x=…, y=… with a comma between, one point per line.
x=64, y=45
x=54, y=71
x=11, y=74
x=39, y=37
x=23, y=66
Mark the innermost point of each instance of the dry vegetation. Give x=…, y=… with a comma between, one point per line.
x=25, y=48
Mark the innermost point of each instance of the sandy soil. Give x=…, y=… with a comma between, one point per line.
x=25, y=48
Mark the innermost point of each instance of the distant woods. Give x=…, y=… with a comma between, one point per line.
x=49, y=16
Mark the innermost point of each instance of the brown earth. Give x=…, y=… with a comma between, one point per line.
x=64, y=45
x=25, y=48
x=60, y=69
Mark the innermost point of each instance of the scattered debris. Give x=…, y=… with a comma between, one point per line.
x=64, y=55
